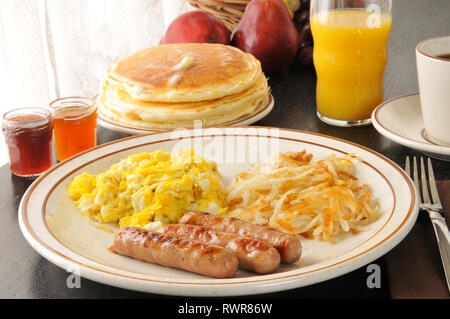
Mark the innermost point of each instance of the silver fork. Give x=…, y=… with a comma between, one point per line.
x=434, y=209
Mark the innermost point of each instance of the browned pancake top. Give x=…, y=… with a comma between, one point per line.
x=213, y=65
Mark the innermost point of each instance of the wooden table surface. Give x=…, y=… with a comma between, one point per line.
x=25, y=274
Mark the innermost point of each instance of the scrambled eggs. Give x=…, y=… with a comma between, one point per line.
x=149, y=189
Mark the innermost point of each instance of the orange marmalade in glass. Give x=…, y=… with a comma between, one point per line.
x=75, y=126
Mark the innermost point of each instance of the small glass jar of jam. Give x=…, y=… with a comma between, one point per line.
x=28, y=135
x=75, y=125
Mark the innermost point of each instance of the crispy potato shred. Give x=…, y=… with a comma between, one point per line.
x=295, y=194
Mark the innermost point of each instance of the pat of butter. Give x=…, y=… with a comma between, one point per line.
x=185, y=63
x=174, y=79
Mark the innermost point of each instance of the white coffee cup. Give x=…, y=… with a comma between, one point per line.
x=434, y=86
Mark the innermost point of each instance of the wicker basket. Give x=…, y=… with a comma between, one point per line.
x=228, y=11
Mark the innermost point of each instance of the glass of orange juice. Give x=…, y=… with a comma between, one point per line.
x=75, y=125
x=350, y=55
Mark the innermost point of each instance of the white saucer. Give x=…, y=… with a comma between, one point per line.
x=400, y=120
x=261, y=112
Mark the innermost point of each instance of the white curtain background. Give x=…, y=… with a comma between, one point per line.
x=56, y=48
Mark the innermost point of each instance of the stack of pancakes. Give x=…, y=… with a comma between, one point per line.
x=171, y=86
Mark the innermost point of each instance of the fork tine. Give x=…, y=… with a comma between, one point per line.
x=425, y=196
x=433, y=187
x=415, y=174
x=407, y=167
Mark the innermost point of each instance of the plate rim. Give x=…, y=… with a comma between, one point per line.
x=141, y=284
x=245, y=120
x=405, y=141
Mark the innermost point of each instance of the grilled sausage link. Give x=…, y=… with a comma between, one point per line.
x=177, y=252
x=288, y=245
x=253, y=254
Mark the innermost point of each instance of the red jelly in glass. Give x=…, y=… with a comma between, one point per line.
x=28, y=135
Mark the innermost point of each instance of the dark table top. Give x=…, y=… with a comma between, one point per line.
x=25, y=274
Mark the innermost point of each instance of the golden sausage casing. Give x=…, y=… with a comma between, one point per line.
x=177, y=252
x=254, y=255
x=288, y=245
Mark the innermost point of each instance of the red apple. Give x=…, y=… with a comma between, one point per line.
x=266, y=30
x=198, y=27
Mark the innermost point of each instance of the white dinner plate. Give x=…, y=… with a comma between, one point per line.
x=258, y=114
x=400, y=120
x=55, y=228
